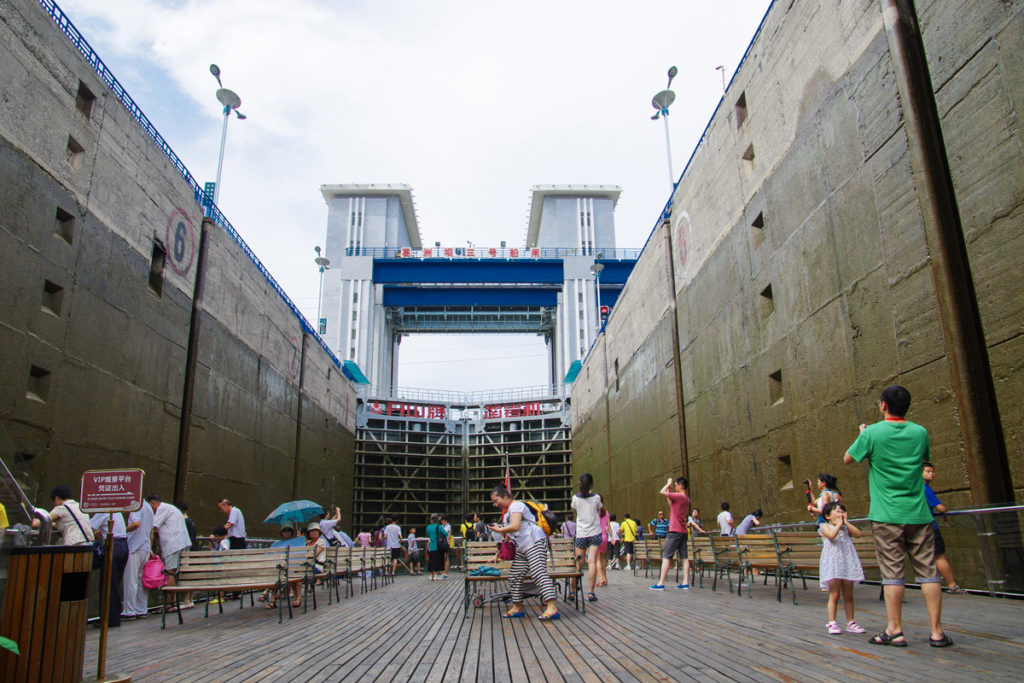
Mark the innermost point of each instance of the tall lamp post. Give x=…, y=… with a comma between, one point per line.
x=662, y=101
x=231, y=102
x=323, y=264
x=596, y=269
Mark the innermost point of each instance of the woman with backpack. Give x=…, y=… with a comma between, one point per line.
x=437, y=547
x=520, y=524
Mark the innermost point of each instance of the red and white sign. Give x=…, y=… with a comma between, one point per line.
x=111, y=490
x=429, y=412
x=512, y=410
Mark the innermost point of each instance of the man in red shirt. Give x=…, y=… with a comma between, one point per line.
x=675, y=541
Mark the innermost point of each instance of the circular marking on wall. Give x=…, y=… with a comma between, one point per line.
x=180, y=241
x=293, y=366
x=682, y=243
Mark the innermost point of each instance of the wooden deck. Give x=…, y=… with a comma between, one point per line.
x=414, y=630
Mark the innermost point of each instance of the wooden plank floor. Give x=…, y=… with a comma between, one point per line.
x=414, y=630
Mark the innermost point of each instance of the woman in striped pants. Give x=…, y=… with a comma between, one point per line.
x=519, y=523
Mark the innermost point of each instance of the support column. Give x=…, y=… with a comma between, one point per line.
x=978, y=410
x=684, y=457
x=191, y=358
x=300, y=396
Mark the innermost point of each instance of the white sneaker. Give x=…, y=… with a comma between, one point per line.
x=628, y=568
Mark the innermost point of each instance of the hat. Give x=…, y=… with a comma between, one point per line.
x=287, y=525
x=312, y=526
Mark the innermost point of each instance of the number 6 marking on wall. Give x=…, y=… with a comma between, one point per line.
x=180, y=237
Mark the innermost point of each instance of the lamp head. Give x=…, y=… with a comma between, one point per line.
x=215, y=70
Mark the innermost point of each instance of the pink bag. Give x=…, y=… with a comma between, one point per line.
x=507, y=550
x=153, y=576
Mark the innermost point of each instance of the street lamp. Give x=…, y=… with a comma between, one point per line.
x=323, y=264
x=596, y=269
x=231, y=102
x=662, y=101
x=722, y=69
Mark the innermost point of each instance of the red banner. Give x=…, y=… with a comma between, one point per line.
x=428, y=412
x=111, y=490
x=512, y=410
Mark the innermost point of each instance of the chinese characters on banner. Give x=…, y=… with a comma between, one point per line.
x=429, y=412
x=111, y=490
x=512, y=410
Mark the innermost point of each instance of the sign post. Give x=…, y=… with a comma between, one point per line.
x=109, y=491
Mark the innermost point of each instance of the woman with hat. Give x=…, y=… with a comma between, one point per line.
x=315, y=540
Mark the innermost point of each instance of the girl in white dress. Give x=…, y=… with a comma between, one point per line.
x=840, y=565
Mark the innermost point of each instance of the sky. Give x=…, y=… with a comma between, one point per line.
x=469, y=103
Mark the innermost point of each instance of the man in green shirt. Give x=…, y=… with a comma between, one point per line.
x=900, y=519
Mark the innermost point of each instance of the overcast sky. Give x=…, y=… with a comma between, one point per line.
x=469, y=103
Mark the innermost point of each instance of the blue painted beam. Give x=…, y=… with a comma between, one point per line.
x=466, y=270
x=470, y=296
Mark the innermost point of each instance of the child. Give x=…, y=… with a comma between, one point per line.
x=415, y=557
x=840, y=566
x=219, y=538
x=726, y=525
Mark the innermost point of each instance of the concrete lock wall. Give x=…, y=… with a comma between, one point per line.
x=803, y=277
x=93, y=369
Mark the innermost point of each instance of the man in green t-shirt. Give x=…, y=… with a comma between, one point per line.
x=900, y=519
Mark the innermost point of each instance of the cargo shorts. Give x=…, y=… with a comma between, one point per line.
x=895, y=544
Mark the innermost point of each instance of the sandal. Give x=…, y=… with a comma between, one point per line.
x=591, y=597
x=884, y=638
x=514, y=615
x=955, y=590
x=944, y=641
x=558, y=615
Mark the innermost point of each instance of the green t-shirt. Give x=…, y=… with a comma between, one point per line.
x=895, y=452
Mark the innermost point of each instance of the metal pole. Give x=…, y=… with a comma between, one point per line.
x=668, y=152
x=220, y=160
x=985, y=454
x=319, y=296
x=108, y=564
x=597, y=285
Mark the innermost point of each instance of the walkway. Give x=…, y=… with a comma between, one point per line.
x=414, y=630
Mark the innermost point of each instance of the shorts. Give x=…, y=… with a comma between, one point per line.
x=587, y=541
x=897, y=543
x=172, y=561
x=627, y=547
x=397, y=554
x=940, y=543
x=675, y=542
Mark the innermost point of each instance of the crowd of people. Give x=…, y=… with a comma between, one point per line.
x=902, y=510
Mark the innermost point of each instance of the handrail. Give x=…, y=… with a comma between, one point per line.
x=492, y=253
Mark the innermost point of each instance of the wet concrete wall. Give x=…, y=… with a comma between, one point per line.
x=803, y=280
x=94, y=345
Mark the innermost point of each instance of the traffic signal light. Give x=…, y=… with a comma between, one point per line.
x=604, y=313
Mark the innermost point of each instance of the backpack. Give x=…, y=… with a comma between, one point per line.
x=546, y=519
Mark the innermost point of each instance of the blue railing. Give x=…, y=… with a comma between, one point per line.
x=210, y=210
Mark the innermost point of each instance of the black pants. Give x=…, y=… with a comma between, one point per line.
x=236, y=543
x=120, y=559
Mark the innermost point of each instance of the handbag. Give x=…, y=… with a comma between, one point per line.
x=153, y=575
x=442, y=539
x=506, y=550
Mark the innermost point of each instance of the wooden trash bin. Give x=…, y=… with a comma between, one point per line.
x=45, y=611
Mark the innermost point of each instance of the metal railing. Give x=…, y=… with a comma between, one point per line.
x=485, y=253
x=992, y=533
x=210, y=210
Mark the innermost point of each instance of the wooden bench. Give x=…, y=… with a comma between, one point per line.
x=725, y=558
x=758, y=552
x=800, y=552
x=561, y=566
x=701, y=557
x=213, y=572
x=647, y=550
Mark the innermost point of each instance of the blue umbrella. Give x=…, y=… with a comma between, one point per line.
x=345, y=539
x=295, y=511
x=297, y=541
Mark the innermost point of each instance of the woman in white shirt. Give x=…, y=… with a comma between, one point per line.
x=519, y=524
x=68, y=519
x=588, y=507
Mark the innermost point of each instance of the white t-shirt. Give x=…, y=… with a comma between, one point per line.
x=588, y=521
x=235, y=518
x=99, y=522
x=70, y=533
x=327, y=530
x=413, y=547
x=392, y=536
x=529, y=533
x=138, y=539
x=613, y=532
x=170, y=526
x=224, y=544
x=724, y=517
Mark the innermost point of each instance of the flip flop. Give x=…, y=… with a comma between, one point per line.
x=591, y=597
x=884, y=638
x=514, y=615
x=558, y=615
x=944, y=641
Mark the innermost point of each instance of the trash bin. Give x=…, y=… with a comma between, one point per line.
x=44, y=612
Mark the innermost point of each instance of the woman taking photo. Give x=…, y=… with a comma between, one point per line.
x=519, y=524
x=588, y=507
